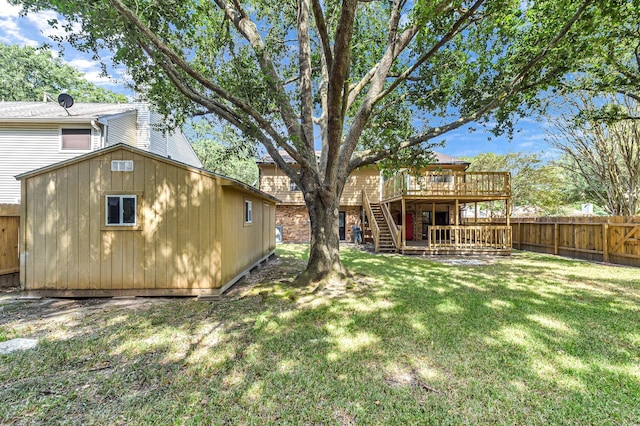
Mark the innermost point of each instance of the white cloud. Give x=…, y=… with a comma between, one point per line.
x=41, y=21
x=11, y=34
x=84, y=65
x=96, y=78
x=8, y=10
x=10, y=31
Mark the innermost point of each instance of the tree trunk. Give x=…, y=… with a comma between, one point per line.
x=324, y=252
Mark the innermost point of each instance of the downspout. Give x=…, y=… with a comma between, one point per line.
x=95, y=125
x=105, y=132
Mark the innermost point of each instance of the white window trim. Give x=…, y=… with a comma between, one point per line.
x=293, y=187
x=72, y=151
x=121, y=196
x=248, y=212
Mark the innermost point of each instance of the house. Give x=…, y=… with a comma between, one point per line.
x=37, y=134
x=409, y=213
x=124, y=221
x=292, y=218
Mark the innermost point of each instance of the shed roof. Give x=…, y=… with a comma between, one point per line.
x=45, y=112
x=229, y=181
x=439, y=157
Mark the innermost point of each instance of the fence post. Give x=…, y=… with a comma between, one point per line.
x=519, y=235
x=605, y=242
x=556, y=237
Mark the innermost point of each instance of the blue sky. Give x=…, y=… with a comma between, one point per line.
x=33, y=30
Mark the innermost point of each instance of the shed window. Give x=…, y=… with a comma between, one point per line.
x=248, y=211
x=76, y=139
x=121, y=210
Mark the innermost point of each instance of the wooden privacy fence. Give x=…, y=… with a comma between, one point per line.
x=613, y=239
x=9, y=224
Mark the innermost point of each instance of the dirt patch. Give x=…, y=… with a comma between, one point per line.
x=280, y=269
x=465, y=260
x=17, y=310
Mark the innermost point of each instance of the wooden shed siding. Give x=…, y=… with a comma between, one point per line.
x=273, y=181
x=9, y=231
x=67, y=246
x=26, y=148
x=242, y=244
x=122, y=129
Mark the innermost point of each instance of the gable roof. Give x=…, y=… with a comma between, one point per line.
x=46, y=112
x=121, y=146
x=440, y=158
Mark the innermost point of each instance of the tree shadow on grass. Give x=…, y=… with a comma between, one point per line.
x=413, y=341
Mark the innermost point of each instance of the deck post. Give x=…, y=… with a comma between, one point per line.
x=433, y=214
x=404, y=224
x=475, y=218
x=456, y=222
x=507, y=212
x=457, y=218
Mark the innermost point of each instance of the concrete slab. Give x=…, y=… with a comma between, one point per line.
x=18, y=344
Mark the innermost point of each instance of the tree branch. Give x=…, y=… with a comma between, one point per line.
x=249, y=31
x=321, y=25
x=369, y=157
x=456, y=28
x=337, y=77
x=304, y=60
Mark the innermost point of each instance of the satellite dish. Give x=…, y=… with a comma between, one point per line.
x=65, y=101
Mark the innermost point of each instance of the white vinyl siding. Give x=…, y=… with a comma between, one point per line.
x=180, y=150
x=171, y=145
x=143, y=118
x=122, y=129
x=27, y=147
x=157, y=141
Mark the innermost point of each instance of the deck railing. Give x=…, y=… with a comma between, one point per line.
x=448, y=183
x=494, y=237
x=375, y=229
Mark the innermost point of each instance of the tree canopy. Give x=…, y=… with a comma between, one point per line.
x=223, y=151
x=364, y=80
x=26, y=74
x=533, y=182
x=613, y=65
x=602, y=156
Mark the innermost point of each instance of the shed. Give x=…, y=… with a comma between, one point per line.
x=121, y=221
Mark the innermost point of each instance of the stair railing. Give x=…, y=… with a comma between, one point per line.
x=394, y=229
x=373, y=224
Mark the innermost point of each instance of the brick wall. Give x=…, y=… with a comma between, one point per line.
x=295, y=222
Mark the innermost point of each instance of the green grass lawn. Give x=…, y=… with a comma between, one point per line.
x=530, y=339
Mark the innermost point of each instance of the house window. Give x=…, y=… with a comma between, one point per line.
x=121, y=210
x=76, y=139
x=248, y=211
x=441, y=178
x=121, y=165
x=293, y=186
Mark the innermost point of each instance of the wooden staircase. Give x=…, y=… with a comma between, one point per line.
x=386, y=241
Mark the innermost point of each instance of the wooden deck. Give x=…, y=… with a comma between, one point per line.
x=465, y=186
x=494, y=239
